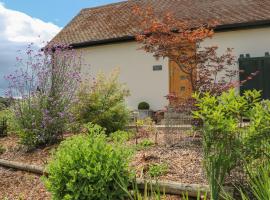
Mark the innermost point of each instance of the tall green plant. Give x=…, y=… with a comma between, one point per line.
x=102, y=101
x=260, y=181
x=223, y=132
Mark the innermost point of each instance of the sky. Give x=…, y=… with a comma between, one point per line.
x=26, y=21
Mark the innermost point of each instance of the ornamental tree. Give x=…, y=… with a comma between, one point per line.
x=44, y=86
x=181, y=41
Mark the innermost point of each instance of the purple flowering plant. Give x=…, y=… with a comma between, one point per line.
x=44, y=86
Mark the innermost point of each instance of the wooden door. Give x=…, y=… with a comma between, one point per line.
x=180, y=84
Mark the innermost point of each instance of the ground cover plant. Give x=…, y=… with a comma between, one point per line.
x=156, y=170
x=44, y=86
x=144, y=144
x=102, y=101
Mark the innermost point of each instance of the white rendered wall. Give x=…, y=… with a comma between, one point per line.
x=136, y=66
x=136, y=70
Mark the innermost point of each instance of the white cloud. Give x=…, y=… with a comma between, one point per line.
x=18, y=29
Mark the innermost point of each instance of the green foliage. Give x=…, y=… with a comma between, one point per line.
x=87, y=167
x=256, y=140
x=103, y=102
x=143, y=106
x=146, y=143
x=150, y=191
x=259, y=184
x=226, y=139
x=147, y=127
x=199, y=196
x=40, y=122
x=120, y=136
x=3, y=127
x=2, y=149
x=260, y=181
x=156, y=170
x=12, y=125
x=4, y=103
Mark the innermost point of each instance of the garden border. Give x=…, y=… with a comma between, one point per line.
x=169, y=187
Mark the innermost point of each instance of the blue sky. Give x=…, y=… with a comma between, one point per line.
x=59, y=12
x=26, y=21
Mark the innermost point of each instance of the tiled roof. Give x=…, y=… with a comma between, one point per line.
x=117, y=20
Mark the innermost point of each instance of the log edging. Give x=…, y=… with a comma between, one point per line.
x=169, y=187
x=21, y=166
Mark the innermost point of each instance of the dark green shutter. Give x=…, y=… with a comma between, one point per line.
x=262, y=80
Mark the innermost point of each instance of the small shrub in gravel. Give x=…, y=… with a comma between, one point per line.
x=120, y=136
x=2, y=149
x=87, y=167
x=146, y=143
x=156, y=170
x=3, y=127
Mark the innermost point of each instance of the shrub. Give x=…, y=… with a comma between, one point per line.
x=227, y=141
x=256, y=140
x=156, y=170
x=12, y=124
x=87, y=167
x=4, y=103
x=46, y=87
x=2, y=149
x=3, y=127
x=103, y=102
x=143, y=106
x=120, y=136
x=146, y=127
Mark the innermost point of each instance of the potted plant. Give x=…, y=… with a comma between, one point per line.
x=144, y=110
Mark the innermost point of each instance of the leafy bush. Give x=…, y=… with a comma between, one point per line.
x=120, y=136
x=4, y=103
x=46, y=88
x=12, y=125
x=103, y=102
x=3, y=127
x=256, y=140
x=143, y=106
x=87, y=167
x=227, y=140
x=156, y=170
x=146, y=127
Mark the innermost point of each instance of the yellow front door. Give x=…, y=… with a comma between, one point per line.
x=180, y=84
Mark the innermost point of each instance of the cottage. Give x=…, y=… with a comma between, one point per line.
x=105, y=35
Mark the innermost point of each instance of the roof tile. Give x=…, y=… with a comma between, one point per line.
x=117, y=20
